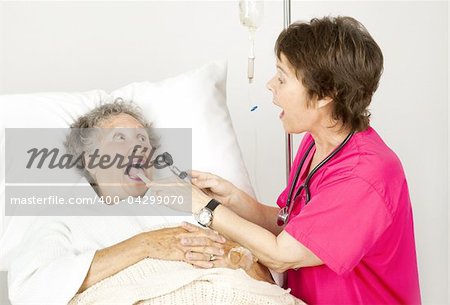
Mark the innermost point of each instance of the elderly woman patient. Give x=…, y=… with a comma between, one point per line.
x=121, y=258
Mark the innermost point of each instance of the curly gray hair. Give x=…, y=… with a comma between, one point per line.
x=83, y=131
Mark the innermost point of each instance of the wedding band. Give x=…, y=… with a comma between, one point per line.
x=212, y=257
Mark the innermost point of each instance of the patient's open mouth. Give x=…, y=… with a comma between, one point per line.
x=133, y=170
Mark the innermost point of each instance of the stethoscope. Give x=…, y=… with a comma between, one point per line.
x=283, y=214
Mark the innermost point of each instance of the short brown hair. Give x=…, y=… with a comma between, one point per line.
x=338, y=58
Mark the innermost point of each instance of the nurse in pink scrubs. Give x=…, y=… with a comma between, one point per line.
x=343, y=230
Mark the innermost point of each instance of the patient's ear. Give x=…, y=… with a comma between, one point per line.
x=91, y=171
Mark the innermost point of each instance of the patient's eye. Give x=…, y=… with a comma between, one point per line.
x=280, y=80
x=118, y=136
x=142, y=138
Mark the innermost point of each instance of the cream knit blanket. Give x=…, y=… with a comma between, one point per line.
x=152, y=281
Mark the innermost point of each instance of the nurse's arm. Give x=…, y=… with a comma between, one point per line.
x=237, y=200
x=278, y=253
x=263, y=215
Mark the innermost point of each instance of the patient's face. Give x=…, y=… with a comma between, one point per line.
x=120, y=134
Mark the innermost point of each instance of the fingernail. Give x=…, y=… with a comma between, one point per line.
x=221, y=252
x=184, y=241
x=222, y=239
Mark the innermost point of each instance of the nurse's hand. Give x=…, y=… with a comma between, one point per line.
x=191, y=197
x=216, y=187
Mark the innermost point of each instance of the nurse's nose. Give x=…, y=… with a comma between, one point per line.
x=269, y=84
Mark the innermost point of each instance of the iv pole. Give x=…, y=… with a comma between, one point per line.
x=288, y=140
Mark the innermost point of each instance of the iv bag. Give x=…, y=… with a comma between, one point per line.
x=251, y=13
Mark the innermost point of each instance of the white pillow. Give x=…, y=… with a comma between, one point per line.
x=196, y=100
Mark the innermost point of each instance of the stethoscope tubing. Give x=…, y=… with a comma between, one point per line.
x=305, y=185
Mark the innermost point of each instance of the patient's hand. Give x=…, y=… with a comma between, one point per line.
x=238, y=257
x=234, y=256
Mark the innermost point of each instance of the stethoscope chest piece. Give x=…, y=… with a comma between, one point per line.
x=283, y=216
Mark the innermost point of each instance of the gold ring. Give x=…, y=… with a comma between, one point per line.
x=212, y=257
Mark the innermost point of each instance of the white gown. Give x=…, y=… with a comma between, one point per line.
x=57, y=252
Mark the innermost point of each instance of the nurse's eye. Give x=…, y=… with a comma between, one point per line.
x=118, y=136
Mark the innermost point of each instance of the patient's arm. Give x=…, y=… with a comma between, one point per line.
x=158, y=244
x=108, y=261
x=165, y=244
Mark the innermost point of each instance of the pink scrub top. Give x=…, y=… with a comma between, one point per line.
x=359, y=222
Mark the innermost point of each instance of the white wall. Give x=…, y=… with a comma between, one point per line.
x=448, y=155
x=74, y=46
x=2, y=208
x=1, y=52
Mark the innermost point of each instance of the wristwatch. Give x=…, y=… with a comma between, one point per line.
x=205, y=216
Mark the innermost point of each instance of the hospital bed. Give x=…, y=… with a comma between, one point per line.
x=188, y=83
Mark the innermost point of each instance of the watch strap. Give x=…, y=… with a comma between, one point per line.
x=212, y=204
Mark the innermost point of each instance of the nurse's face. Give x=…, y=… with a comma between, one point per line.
x=120, y=135
x=291, y=96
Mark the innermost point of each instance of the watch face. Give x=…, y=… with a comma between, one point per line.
x=204, y=217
